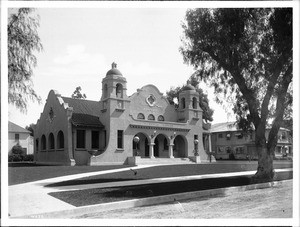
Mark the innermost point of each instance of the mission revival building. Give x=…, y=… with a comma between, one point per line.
x=121, y=129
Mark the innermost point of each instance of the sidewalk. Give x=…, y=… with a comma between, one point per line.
x=32, y=198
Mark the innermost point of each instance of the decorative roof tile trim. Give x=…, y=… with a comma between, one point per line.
x=159, y=128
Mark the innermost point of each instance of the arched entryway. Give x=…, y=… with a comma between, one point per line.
x=161, y=146
x=141, y=147
x=179, y=148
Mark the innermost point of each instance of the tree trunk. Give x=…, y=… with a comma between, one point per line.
x=265, y=171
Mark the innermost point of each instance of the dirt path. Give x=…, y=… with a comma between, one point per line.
x=276, y=202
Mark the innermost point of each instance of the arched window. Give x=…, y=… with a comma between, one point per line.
x=105, y=91
x=60, y=140
x=194, y=103
x=51, y=141
x=141, y=116
x=43, y=142
x=151, y=117
x=160, y=118
x=183, y=103
x=119, y=91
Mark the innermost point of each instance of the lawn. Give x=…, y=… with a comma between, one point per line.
x=19, y=173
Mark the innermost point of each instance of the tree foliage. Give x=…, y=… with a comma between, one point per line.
x=23, y=41
x=31, y=128
x=173, y=97
x=77, y=94
x=246, y=54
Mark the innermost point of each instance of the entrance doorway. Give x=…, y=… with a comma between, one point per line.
x=180, y=147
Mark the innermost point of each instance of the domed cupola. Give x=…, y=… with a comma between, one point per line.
x=189, y=87
x=114, y=71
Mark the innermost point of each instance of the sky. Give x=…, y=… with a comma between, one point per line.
x=80, y=45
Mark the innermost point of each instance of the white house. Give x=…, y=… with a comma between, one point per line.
x=21, y=136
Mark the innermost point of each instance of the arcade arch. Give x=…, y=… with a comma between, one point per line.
x=161, y=146
x=141, y=148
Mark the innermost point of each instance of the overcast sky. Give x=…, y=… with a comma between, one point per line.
x=80, y=45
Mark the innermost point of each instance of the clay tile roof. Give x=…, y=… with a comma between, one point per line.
x=12, y=127
x=85, y=112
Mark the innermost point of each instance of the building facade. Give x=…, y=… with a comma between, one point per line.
x=228, y=142
x=21, y=136
x=120, y=129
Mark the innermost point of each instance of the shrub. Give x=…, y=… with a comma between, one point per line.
x=17, y=149
x=28, y=158
x=15, y=158
x=20, y=158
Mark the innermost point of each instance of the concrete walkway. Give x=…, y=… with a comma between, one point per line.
x=32, y=198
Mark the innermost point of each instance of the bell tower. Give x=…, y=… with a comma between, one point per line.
x=114, y=87
x=189, y=108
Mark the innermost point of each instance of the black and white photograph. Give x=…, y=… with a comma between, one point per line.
x=150, y=113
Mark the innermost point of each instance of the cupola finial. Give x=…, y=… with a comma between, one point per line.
x=114, y=65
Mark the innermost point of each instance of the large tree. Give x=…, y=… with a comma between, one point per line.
x=246, y=54
x=173, y=97
x=77, y=94
x=23, y=41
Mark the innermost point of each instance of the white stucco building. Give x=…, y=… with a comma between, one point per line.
x=21, y=136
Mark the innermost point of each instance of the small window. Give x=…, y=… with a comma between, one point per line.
x=80, y=139
x=228, y=136
x=239, y=135
x=221, y=150
x=183, y=103
x=151, y=117
x=95, y=139
x=195, y=145
x=141, y=116
x=228, y=150
x=220, y=135
x=120, y=139
x=17, y=137
x=160, y=118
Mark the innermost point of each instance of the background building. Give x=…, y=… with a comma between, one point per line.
x=21, y=136
x=120, y=129
x=228, y=142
